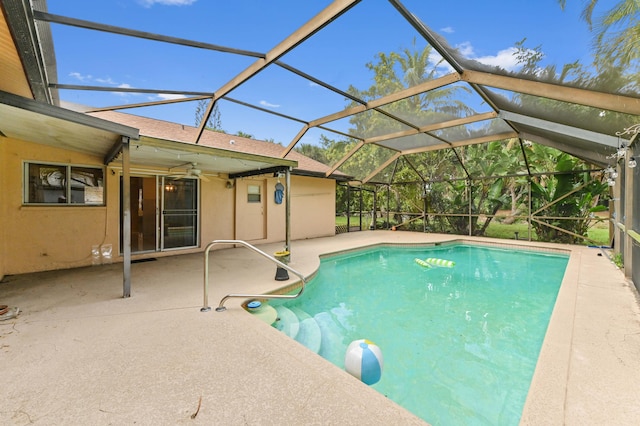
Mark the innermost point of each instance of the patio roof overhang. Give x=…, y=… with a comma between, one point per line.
x=61, y=128
x=38, y=122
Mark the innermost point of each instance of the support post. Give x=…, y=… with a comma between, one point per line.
x=388, y=205
x=628, y=215
x=287, y=243
x=126, y=219
x=375, y=209
x=530, y=206
x=361, y=207
x=470, y=192
x=348, y=207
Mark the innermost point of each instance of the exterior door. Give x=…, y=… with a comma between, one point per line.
x=251, y=218
x=143, y=199
x=179, y=213
x=164, y=213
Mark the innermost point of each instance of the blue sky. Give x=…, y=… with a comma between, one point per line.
x=483, y=30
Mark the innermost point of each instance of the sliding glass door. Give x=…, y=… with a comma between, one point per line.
x=164, y=213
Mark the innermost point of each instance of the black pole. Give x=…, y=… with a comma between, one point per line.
x=348, y=208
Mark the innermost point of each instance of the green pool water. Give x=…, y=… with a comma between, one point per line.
x=460, y=344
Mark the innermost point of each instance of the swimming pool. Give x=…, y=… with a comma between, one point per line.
x=460, y=344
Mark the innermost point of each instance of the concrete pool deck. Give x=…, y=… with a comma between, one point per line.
x=80, y=354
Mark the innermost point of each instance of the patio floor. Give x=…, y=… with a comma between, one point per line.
x=79, y=353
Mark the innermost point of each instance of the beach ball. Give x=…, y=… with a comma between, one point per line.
x=363, y=360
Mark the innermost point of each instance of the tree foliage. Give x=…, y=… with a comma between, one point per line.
x=460, y=190
x=214, y=122
x=616, y=33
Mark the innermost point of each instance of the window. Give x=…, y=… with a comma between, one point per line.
x=63, y=184
x=253, y=193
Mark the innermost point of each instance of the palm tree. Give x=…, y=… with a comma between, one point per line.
x=617, y=32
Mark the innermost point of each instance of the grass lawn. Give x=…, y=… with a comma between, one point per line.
x=599, y=232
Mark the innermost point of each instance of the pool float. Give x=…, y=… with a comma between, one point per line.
x=363, y=360
x=422, y=263
x=440, y=262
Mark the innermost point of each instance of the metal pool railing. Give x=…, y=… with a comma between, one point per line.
x=221, y=307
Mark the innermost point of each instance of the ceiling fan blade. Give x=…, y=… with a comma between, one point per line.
x=204, y=178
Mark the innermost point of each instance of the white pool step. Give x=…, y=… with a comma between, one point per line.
x=309, y=333
x=332, y=347
x=321, y=333
x=287, y=322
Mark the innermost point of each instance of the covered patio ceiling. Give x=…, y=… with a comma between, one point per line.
x=499, y=104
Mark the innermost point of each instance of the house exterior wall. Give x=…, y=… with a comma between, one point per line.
x=41, y=238
x=312, y=208
x=38, y=238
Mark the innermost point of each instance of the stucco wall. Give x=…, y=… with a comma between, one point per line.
x=217, y=211
x=39, y=238
x=312, y=208
x=43, y=238
x=48, y=237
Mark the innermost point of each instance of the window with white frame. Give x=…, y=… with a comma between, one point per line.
x=63, y=184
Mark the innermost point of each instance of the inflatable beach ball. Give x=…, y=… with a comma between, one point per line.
x=363, y=360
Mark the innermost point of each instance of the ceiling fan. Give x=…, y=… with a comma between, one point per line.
x=190, y=173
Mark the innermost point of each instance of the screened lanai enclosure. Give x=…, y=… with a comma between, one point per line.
x=430, y=127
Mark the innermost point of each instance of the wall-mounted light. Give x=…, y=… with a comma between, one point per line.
x=632, y=162
x=170, y=187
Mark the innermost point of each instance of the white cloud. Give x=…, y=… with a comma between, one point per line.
x=107, y=80
x=465, y=49
x=268, y=105
x=448, y=30
x=505, y=58
x=79, y=76
x=150, y=3
x=168, y=96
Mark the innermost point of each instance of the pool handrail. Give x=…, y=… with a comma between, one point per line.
x=221, y=307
